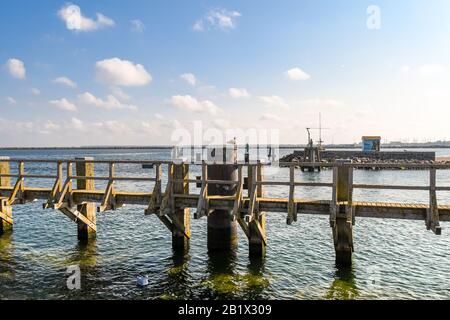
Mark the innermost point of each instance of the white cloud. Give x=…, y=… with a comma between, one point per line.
x=48, y=127
x=221, y=123
x=104, y=21
x=159, y=116
x=238, y=93
x=111, y=102
x=198, y=26
x=121, y=73
x=64, y=104
x=426, y=71
x=113, y=127
x=120, y=93
x=11, y=100
x=297, y=74
x=65, y=81
x=431, y=70
x=191, y=104
x=321, y=102
x=74, y=19
x=275, y=101
x=270, y=117
x=217, y=19
x=189, y=78
x=77, y=124
x=405, y=68
x=16, y=68
x=35, y=91
x=15, y=127
x=137, y=25
x=206, y=89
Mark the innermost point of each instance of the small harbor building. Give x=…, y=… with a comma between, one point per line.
x=371, y=143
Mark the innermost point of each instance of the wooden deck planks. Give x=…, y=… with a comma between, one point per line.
x=309, y=206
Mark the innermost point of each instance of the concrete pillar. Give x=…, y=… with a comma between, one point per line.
x=5, y=182
x=257, y=247
x=343, y=230
x=179, y=242
x=222, y=231
x=88, y=209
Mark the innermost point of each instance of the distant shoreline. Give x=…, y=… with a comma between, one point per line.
x=286, y=146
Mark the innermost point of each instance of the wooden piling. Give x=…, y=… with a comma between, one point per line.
x=222, y=229
x=257, y=227
x=4, y=169
x=5, y=209
x=87, y=209
x=180, y=243
x=343, y=221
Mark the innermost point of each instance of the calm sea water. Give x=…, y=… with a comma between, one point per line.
x=393, y=258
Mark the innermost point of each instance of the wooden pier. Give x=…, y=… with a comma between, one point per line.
x=230, y=195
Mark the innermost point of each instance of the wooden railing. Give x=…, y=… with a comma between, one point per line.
x=246, y=209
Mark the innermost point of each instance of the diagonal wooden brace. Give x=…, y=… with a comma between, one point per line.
x=57, y=188
x=177, y=224
x=237, y=207
x=251, y=205
x=17, y=192
x=6, y=211
x=256, y=227
x=77, y=216
x=155, y=199
x=252, y=216
x=62, y=196
x=109, y=199
x=167, y=201
x=203, y=201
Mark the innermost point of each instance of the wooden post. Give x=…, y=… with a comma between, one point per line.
x=222, y=230
x=432, y=219
x=4, y=169
x=343, y=226
x=257, y=244
x=180, y=243
x=4, y=207
x=88, y=209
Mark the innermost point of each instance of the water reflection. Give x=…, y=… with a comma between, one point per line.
x=7, y=270
x=222, y=281
x=343, y=286
x=6, y=245
x=256, y=281
x=85, y=253
x=178, y=277
x=85, y=256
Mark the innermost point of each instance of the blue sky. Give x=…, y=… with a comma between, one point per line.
x=135, y=71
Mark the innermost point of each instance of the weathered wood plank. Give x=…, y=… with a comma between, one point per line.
x=394, y=210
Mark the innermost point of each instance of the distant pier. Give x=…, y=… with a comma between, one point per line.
x=374, y=155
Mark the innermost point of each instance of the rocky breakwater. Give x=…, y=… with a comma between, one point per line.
x=398, y=164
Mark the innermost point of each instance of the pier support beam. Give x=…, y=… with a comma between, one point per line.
x=87, y=209
x=5, y=208
x=222, y=230
x=257, y=227
x=180, y=243
x=342, y=214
